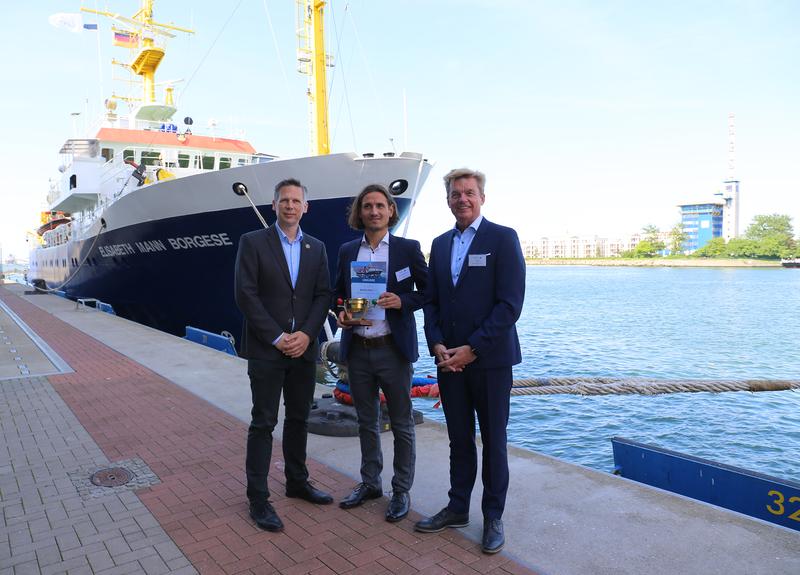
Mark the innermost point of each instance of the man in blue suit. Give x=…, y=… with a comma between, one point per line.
x=380, y=356
x=476, y=287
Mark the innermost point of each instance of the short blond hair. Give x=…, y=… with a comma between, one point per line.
x=459, y=173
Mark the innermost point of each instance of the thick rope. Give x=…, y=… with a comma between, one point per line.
x=609, y=386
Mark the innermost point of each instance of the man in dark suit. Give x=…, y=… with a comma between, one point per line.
x=380, y=356
x=476, y=286
x=282, y=288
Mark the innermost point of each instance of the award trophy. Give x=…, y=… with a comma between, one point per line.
x=355, y=308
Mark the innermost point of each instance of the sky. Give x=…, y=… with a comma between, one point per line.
x=587, y=117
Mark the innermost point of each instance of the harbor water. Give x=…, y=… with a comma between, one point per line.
x=660, y=323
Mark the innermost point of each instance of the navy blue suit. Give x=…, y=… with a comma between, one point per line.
x=481, y=311
x=403, y=253
x=385, y=363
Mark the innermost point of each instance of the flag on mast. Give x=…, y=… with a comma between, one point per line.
x=125, y=39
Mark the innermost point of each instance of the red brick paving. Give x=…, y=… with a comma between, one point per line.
x=198, y=452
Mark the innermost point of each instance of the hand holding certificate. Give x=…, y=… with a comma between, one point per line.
x=367, y=283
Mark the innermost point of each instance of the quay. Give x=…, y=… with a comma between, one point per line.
x=83, y=391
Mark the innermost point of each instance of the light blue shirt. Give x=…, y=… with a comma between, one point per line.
x=460, y=249
x=291, y=251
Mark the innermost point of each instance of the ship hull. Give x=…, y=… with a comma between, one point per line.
x=177, y=271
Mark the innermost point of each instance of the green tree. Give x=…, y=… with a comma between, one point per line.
x=650, y=235
x=778, y=226
x=772, y=236
x=678, y=237
x=644, y=249
x=715, y=248
x=742, y=248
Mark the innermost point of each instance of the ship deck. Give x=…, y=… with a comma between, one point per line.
x=84, y=391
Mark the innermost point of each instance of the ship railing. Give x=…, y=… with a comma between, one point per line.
x=197, y=159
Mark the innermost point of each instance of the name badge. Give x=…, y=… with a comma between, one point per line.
x=477, y=260
x=402, y=274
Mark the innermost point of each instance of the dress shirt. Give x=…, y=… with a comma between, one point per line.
x=379, y=327
x=461, y=243
x=291, y=251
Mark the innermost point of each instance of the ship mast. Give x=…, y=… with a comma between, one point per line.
x=312, y=61
x=140, y=34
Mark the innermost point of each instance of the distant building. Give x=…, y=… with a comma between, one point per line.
x=701, y=222
x=730, y=211
x=579, y=247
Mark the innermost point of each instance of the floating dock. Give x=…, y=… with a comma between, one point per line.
x=159, y=424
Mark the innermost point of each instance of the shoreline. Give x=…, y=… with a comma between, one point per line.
x=655, y=262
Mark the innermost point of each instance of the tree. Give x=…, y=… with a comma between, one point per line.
x=650, y=235
x=715, y=248
x=678, y=237
x=644, y=249
x=772, y=236
x=778, y=226
x=742, y=248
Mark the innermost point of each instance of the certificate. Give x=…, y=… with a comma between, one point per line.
x=368, y=281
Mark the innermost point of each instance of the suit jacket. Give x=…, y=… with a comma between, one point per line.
x=403, y=254
x=481, y=310
x=264, y=293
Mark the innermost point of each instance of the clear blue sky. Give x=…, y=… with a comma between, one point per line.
x=587, y=116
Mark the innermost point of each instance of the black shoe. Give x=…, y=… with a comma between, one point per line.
x=359, y=495
x=265, y=517
x=493, y=536
x=398, y=506
x=309, y=493
x=445, y=518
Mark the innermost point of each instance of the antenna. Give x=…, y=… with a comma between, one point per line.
x=731, y=147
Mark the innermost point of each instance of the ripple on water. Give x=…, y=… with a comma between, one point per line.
x=712, y=324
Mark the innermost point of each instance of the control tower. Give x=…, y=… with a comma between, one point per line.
x=730, y=192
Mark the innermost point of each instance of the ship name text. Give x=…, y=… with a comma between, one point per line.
x=178, y=243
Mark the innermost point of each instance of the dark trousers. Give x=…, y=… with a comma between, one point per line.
x=487, y=393
x=268, y=378
x=369, y=371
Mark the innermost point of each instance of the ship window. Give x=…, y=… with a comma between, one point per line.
x=183, y=160
x=224, y=163
x=208, y=162
x=151, y=158
x=241, y=161
x=73, y=182
x=127, y=155
x=107, y=153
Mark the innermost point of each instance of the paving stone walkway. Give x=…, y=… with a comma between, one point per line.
x=192, y=514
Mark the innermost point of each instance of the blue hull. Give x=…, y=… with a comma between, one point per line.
x=152, y=275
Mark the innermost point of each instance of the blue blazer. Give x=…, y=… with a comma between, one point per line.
x=481, y=310
x=403, y=253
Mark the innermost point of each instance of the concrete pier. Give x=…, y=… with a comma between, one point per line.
x=114, y=392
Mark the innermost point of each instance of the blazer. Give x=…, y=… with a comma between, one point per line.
x=264, y=293
x=481, y=310
x=403, y=254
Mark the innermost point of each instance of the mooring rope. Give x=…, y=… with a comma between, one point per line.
x=642, y=386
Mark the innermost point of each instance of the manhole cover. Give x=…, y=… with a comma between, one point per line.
x=111, y=477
